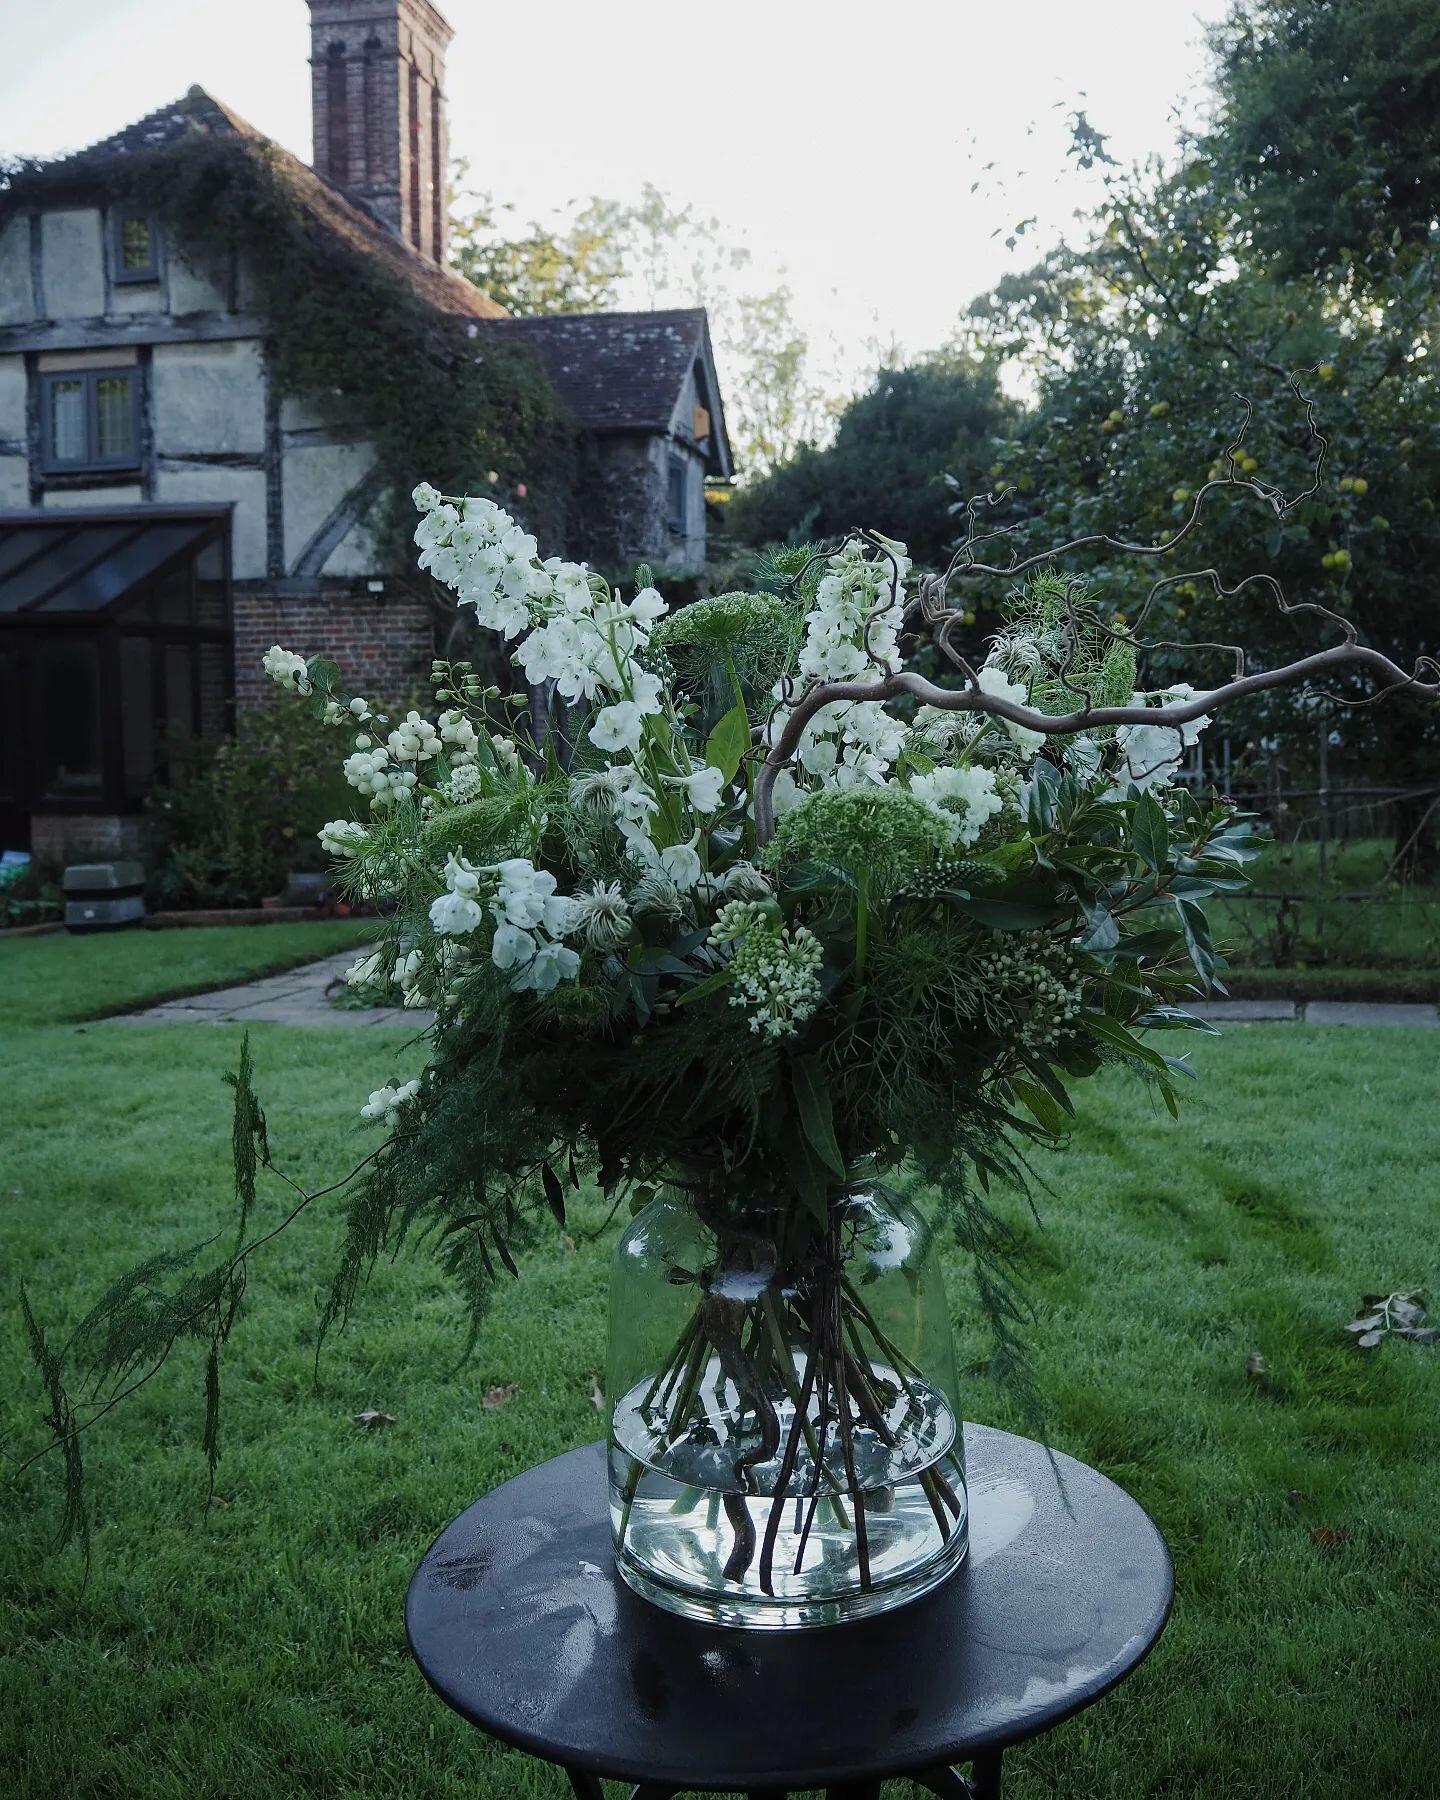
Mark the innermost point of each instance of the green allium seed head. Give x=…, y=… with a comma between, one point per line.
x=883, y=832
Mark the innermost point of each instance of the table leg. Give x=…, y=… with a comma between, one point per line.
x=983, y=1782
x=985, y=1775
x=584, y=1785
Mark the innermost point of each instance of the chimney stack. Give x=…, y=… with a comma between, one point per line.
x=377, y=80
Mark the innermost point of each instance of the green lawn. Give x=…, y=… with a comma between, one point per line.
x=256, y=1648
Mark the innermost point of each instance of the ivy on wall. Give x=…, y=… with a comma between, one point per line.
x=348, y=334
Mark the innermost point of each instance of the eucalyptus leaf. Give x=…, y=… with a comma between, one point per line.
x=817, y=1119
x=728, y=742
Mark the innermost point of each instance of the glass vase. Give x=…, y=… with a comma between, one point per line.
x=785, y=1440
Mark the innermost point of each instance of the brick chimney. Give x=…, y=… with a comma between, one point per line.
x=377, y=79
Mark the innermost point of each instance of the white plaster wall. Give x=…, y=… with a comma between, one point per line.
x=246, y=487
x=96, y=496
x=209, y=398
x=127, y=298
x=191, y=291
x=355, y=554
x=17, y=302
x=316, y=480
x=14, y=483
x=12, y=399
x=73, y=263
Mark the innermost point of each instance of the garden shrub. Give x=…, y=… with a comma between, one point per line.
x=240, y=815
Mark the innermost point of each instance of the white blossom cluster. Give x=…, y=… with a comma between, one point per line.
x=342, y=837
x=851, y=632
x=776, y=977
x=580, y=635
x=530, y=919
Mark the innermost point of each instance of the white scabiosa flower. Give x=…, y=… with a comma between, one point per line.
x=963, y=799
x=1152, y=753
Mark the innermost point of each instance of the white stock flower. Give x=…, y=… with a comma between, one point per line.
x=998, y=684
x=648, y=607
x=551, y=964
x=511, y=947
x=523, y=893
x=679, y=863
x=286, y=668
x=618, y=727
x=454, y=914
x=703, y=787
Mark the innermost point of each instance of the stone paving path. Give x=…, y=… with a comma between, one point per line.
x=1316, y=1012
x=298, y=997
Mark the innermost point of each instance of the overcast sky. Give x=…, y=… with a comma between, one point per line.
x=838, y=141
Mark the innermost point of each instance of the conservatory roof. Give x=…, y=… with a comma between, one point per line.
x=83, y=563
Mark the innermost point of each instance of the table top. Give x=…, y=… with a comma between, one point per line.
x=520, y=1622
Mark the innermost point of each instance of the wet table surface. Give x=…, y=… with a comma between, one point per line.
x=519, y=1622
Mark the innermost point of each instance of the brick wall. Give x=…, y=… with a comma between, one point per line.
x=382, y=642
x=58, y=838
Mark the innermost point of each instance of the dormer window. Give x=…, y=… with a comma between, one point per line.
x=136, y=248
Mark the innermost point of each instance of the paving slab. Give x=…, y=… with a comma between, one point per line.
x=1362, y=1012
x=1243, y=1011
x=297, y=997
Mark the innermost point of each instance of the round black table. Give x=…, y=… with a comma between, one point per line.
x=519, y=1622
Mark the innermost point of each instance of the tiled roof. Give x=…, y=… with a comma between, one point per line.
x=198, y=114
x=616, y=371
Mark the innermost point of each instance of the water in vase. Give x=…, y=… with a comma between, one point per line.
x=702, y=1528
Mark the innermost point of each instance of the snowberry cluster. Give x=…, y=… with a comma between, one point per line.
x=1037, y=980
x=386, y=1104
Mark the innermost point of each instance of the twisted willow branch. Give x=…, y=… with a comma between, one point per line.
x=1087, y=718
x=932, y=606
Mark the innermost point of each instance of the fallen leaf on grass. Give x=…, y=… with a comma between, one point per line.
x=568, y=1242
x=597, y=1394
x=370, y=1418
x=1325, y=1539
x=497, y=1396
x=1396, y=1315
